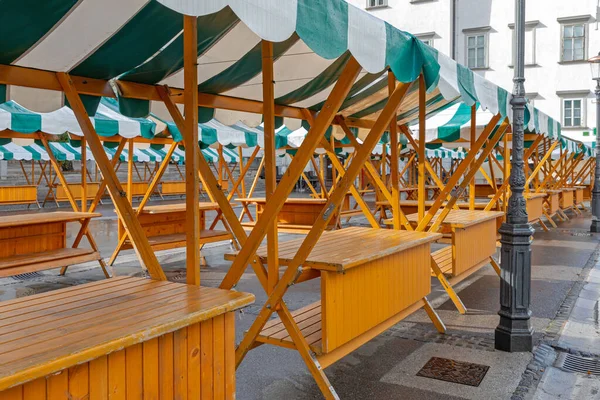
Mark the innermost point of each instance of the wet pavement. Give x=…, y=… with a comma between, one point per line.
x=386, y=367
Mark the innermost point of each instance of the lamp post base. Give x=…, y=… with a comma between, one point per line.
x=514, y=332
x=595, y=227
x=514, y=335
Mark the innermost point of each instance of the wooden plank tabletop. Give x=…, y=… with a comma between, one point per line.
x=568, y=189
x=350, y=247
x=44, y=218
x=461, y=218
x=177, y=207
x=534, y=195
x=553, y=191
x=45, y=333
x=428, y=203
x=290, y=200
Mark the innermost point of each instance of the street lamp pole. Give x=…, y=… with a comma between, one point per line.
x=514, y=332
x=595, y=227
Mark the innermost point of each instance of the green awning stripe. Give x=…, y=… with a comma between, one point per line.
x=211, y=28
x=134, y=43
x=246, y=68
x=38, y=156
x=24, y=22
x=322, y=81
x=466, y=85
x=450, y=131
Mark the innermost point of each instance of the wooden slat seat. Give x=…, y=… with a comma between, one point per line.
x=177, y=240
x=57, y=258
x=309, y=321
x=443, y=258
x=37, y=241
x=44, y=335
x=282, y=228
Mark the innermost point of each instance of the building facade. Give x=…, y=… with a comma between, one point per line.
x=560, y=37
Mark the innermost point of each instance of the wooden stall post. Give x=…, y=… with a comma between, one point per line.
x=472, y=141
x=124, y=209
x=192, y=197
x=394, y=143
x=269, y=155
x=421, y=165
x=83, y=174
x=130, y=172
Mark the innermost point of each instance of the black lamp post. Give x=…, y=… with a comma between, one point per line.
x=595, y=227
x=514, y=332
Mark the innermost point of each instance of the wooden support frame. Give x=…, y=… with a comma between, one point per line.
x=124, y=209
x=275, y=301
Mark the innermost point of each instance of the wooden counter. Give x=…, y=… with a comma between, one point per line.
x=122, y=338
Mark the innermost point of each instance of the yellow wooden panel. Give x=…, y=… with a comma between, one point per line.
x=535, y=208
x=26, y=194
x=32, y=239
x=473, y=245
x=566, y=199
x=190, y=363
x=578, y=195
x=173, y=187
x=76, y=190
x=364, y=296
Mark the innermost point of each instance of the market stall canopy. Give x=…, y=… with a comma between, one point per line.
x=313, y=40
x=108, y=121
x=454, y=124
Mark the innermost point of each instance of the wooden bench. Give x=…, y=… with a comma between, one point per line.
x=580, y=197
x=121, y=338
x=296, y=216
x=370, y=280
x=76, y=190
x=19, y=194
x=412, y=206
x=485, y=190
x=173, y=188
x=164, y=226
x=467, y=228
x=347, y=210
x=567, y=200
x=36, y=242
x=552, y=206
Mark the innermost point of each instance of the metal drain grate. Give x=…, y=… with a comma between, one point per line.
x=572, y=363
x=445, y=369
x=27, y=276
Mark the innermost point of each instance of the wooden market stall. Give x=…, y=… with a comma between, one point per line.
x=367, y=76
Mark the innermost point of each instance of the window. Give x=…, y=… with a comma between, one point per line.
x=572, y=113
x=529, y=43
x=573, y=42
x=476, y=51
x=376, y=3
x=428, y=42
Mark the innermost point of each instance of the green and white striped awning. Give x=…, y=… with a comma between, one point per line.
x=313, y=41
x=454, y=124
x=107, y=121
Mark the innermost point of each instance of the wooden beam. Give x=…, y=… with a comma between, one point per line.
x=394, y=143
x=190, y=134
x=83, y=175
x=270, y=157
x=124, y=210
x=457, y=175
x=325, y=216
x=421, y=157
x=473, y=138
x=293, y=172
x=130, y=172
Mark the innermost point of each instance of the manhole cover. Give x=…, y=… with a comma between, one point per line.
x=27, y=276
x=572, y=363
x=445, y=369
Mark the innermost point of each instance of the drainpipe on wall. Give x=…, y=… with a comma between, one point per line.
x=453, y=29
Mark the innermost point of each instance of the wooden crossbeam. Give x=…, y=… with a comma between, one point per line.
x=124, y=209
x=289, y=179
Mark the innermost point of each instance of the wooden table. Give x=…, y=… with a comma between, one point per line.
x=165, y=225
x=474, y=236
x=297, y=215
x=552, y=202
x=412, y=206
x=19, y=194
x=567, y=198
x=119, y=338
x=370, y=279
x=485, y=189
x=579, y=196
x=38, y=241
x=412, y=191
